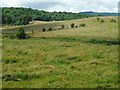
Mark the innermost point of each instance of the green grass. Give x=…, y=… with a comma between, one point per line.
x=83, y=57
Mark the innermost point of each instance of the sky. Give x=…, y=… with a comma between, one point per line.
x=65, y=5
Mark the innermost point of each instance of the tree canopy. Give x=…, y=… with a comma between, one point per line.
x=22, y=16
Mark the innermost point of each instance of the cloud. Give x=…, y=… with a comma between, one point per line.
x=66, y=5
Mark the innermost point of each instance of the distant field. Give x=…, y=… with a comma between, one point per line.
x=82, y=57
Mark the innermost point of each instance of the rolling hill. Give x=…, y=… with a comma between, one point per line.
x=79, y=57
x=100, y=13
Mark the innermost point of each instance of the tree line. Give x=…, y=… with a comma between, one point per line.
x=22, y=16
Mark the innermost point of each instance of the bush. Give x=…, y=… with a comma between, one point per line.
x=72, y=25
x=12, y=36
x=28, y=36
x=43, y=29
x=113, y=20
x=98, y=19
x=82, y=25
x=62, y=26
x=76, y=26
x=50, y=29
x=21, y=33
x=102, y=21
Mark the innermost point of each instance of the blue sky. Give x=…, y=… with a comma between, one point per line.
x=66, y=5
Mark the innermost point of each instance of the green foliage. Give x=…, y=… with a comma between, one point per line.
x=102, y=21
x=62, y=26
x=82, y=25
x=113, y=20
x=98, y=19
x=49, y=29
x=76, y=26
x=43, y=29
x=72, y=25
x=22, y=16
x=21, y=33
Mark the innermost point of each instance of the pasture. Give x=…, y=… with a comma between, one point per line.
x=79, y=57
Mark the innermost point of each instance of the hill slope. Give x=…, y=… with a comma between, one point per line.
x=79, y=57
x=22, y=16
x=100, y=13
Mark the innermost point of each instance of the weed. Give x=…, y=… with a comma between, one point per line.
x=9, y=60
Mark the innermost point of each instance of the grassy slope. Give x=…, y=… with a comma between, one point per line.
x=63, y=58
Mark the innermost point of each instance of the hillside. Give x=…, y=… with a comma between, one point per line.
x=78, y=57
x=22, y=16
x=99, y=13
x=91, y=25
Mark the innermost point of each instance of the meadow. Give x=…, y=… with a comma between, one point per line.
x=79, y=57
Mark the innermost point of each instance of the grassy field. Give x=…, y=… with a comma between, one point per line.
x=83, y=57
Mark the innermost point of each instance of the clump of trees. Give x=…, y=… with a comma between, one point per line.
x=98, y=19
x=49, y=29
x=43, y=29
x=82, y=25
x=113, y=20
x=62, y=26
x=72, y=25
x=21, y=33
x=22, y=16
x=102, y=21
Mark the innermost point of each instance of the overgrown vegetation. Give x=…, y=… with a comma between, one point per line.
x=113, y=20
x=102, y=21
x=21, y=33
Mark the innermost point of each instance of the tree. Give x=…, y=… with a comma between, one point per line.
x=62, y=26
x=102, y=21
x=98, y=19
x=50, y=29
x=72, y=25
x=21, y=33
x=22, y=16
x=25, y=19
x=82, y=25
x=43, y=29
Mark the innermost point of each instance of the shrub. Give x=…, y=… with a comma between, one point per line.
x=43, y=29
x=21, y=33
x=102, y=21
x=76, y=26
x=62, y=26
x=98, y=19
x=12, y=36
x=82, y=25
x=50, y=29
x=27, y=36
x=113, y=20
x=72, y=25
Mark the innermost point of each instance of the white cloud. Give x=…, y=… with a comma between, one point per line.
x=102, y=8
x=69, y=5
x=57, y=8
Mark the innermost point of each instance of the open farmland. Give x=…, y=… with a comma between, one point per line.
x=76, y=57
